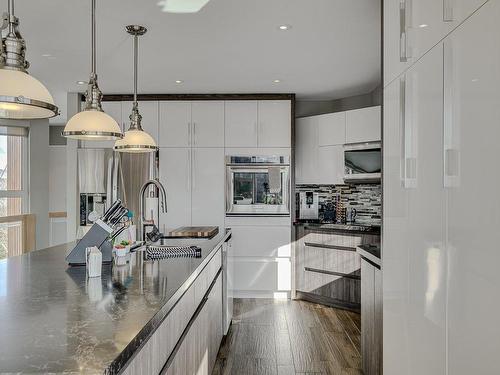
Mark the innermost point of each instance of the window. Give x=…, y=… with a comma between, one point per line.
x=13, y=189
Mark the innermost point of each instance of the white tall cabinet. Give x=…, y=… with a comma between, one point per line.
x=440, y=277
x=191, y=139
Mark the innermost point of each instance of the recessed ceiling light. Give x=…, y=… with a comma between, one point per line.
x=285, y=27
x=423, y=26
x=277, y=81
x=179, y=81
x=81, y=82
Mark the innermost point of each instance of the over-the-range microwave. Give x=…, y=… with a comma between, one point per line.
x=362, y=162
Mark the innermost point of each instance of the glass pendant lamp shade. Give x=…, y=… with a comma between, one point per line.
x=22, y=97
x=136, y=140
x=92, y=123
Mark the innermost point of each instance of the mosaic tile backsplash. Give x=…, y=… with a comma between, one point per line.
x=365, y=198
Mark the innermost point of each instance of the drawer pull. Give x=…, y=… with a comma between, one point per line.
x=333, y=247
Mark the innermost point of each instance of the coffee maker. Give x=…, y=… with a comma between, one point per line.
x=309, y=205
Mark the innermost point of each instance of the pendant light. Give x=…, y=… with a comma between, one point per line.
x=22, y=97
x=136, y=140
x=93, y=123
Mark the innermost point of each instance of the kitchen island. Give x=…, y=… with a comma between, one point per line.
x=56, y=320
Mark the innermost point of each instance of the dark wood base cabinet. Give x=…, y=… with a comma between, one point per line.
x=327, y=267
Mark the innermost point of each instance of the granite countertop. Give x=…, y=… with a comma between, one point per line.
x=371, y=252
x=55, y=320
x=351, y=227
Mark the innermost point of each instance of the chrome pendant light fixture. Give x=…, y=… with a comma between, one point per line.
x=22, y=97
x=93, y=123
x=136, y=140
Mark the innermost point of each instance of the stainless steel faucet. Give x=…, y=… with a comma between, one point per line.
x=162, y=202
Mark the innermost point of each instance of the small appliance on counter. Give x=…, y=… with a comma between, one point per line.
x=308, y=205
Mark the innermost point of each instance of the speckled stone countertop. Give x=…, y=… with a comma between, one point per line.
x=55, y=320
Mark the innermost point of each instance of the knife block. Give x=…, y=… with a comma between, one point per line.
x=96, y=236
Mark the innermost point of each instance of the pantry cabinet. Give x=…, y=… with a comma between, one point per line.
x=306, y=150
x=264, y=123
x=440, y=149
x=175, y=124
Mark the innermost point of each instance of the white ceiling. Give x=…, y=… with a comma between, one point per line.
x=230, y=46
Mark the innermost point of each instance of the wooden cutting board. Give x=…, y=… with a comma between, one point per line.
x=198, y=232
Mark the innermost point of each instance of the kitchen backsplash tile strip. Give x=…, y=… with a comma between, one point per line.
x=365, y=198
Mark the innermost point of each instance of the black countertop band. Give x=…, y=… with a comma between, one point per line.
x=342, y=228
x=56, y=320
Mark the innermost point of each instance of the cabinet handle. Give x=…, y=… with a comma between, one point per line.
x=194, y=133
x=189, y=171
x=193, y=169
x=189, y=133
x=451, y=154
x=448, y=11
x=404, y=17
x=256, y=126
x=402, y=129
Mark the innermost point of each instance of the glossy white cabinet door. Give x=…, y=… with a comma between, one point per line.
x=473, y=78
x=175, y=167
x=331, y=129
x=261, y=241
x=456, y=11
x=208, y=187
x=208, y=123
x=395, y=239
x=363, y=125
x=149, y=112
x=274, y=126
x=175, y=124
x=241, y=123
x=426, y=314
x=306, y=150
x=393, y=66
x=330, y=169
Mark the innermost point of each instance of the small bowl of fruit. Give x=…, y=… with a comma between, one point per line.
x=123, y=248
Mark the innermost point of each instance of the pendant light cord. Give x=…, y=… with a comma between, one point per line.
x=11, y=16
x=136, y=46
x=93, y=42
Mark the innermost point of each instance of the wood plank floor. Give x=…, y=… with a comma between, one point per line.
x=290, y=337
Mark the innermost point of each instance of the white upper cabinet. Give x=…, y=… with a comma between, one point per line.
x=363, y=125
x=331, y=129
x=175, y=124
x=330, y=169
x=306, y=150
x=274, y=127
x=265, y=123
x=207, y=123
x=149, y=112
x=456, y=11
x=241, y=123
x=175, y=175
x=208, y=187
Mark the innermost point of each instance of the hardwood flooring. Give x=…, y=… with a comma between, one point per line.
x=273, y=337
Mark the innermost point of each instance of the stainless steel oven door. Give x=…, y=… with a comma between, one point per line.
x=258, y=189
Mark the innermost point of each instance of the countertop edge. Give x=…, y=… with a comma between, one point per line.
x=128, y=354
x=374, y=230
x=369, y=256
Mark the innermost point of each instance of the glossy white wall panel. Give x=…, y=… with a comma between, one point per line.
x=254, y=276
x=473, y=205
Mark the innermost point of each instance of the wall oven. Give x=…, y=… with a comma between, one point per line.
x=257, y=185
x=362, y=162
